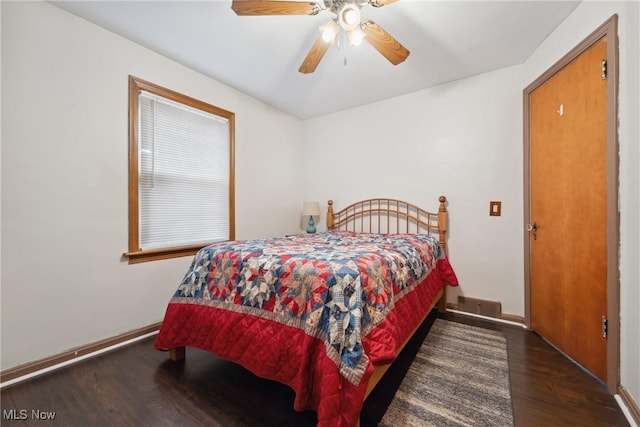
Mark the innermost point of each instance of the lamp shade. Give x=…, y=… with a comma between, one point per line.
x=311, y=209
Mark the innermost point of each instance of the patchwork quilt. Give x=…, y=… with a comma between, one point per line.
x=307, y=308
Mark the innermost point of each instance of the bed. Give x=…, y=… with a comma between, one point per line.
x=325, y=313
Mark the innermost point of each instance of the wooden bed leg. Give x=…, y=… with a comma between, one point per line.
x=176, y=353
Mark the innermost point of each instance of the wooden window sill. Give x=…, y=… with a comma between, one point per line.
x=162, y=253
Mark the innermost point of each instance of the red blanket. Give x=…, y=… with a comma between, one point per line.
x=329, y=373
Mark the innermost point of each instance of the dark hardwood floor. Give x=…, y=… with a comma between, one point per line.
x=139, y=386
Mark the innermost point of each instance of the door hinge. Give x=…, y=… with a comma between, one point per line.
x=604, y=70
x=605, y=326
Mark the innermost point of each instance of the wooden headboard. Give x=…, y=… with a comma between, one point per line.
x=389, y=216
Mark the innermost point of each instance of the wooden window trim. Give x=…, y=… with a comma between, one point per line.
x=135, y=254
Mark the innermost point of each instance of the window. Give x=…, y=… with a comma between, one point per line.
x=181, y=173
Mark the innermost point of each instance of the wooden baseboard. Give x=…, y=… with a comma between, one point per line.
x=506, y=317
x=631, y=404
x=512, y=318
x=75, y=353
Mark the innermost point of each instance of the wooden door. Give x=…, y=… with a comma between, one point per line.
x=568, y=209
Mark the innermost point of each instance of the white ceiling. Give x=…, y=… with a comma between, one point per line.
x=260, y=55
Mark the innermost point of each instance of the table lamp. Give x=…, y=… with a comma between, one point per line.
x=311, y=209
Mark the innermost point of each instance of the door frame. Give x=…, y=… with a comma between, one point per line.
x=608, y=29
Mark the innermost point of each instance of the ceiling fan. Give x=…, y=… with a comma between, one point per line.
x=347, y=18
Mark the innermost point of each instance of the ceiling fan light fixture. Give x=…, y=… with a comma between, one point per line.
x=329, y=31
x=356, y=36
x=349, y=17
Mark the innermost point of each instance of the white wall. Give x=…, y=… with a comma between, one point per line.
x=64, y=180
x=464, y=140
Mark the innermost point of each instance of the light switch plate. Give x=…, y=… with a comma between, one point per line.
x=495, y=208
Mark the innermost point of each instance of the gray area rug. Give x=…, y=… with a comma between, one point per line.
x=460, y=377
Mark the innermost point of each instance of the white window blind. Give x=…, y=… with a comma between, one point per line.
x=183, y=169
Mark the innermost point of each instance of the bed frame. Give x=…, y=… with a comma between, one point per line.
x=392, y=216
x=389, y=216
x=382, y=215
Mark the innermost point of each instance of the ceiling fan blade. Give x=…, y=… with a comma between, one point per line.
x=314, y=56
x=380, y=3
x=384, y=43
x=267, y=7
